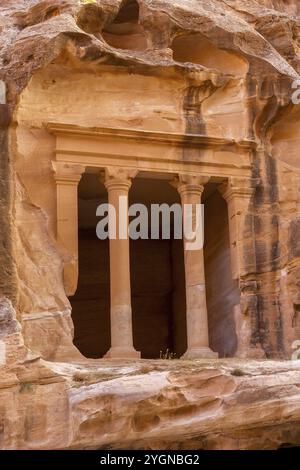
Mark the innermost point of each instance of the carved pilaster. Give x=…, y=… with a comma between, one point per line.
x=238, y=193
x=67, y=177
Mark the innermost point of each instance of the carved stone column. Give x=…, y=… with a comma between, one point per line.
x=67, y=177
x=118, y=183
x=190, y=189
x=238, y=192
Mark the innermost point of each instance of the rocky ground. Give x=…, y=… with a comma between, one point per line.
x=163, y=404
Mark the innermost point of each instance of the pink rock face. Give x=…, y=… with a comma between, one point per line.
x=149, y=92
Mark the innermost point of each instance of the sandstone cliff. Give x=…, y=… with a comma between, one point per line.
x=221, y=67
x=225, y=68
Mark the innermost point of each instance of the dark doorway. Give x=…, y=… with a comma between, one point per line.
x=222, y=292
x=157, y=278
x=91, y=303
x=157, y=281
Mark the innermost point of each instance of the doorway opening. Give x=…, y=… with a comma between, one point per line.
x=157, y=280
x=91, y=302
x=222, y=292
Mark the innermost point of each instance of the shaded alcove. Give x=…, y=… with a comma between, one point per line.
x=125, y=32
x=157, y=280
x=195, y=48
x=157, y=277
x=222, y=291
x=91, y=302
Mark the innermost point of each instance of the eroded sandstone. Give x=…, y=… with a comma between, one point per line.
x=150, y=405
x=223, y=72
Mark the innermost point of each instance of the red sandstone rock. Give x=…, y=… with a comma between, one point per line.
x=221, y=71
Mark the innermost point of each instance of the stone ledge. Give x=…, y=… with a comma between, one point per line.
x=161, y=404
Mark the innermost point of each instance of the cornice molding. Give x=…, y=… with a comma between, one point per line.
x=167, y=138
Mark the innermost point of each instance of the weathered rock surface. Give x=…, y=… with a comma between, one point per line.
x=179, y=405
x=222, y=68
x=217, y=68
x=163, y=404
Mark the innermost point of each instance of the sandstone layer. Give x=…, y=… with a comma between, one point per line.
x=219, y=69
x=150, y=405
x=162, y=404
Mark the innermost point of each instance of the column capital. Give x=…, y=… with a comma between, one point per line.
x=190, y=184
x=67, y=173
x=118, y=178
x=238, y=187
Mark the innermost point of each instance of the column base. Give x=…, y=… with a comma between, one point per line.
x=122, y=353
x=199, y=353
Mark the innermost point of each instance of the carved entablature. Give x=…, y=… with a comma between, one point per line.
x=154, y=151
